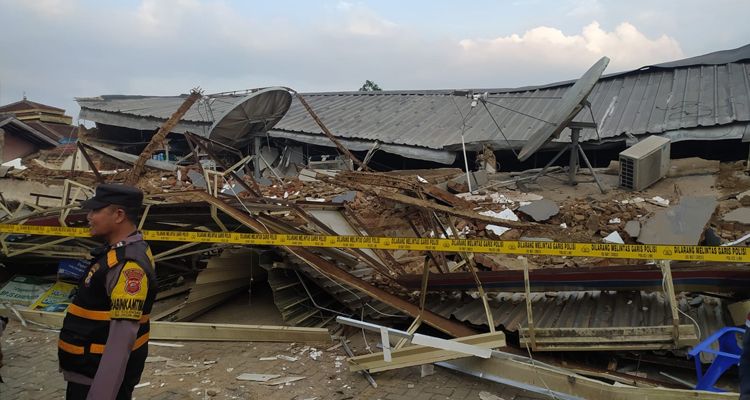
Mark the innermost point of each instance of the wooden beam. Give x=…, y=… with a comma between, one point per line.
x=447, y=197
x=669, y=288
x=418, y=355
x=412, y=328
x=412, y=201
x=158, y=138
x=467, y=214
x=329, y=269
x=619, y=333
x=609, y=339
x=99, y=178
x=328, y=133
x=161, y=330
x=591, y=347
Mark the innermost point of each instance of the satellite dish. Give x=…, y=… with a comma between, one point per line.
x=253, y=114
x=570, y=104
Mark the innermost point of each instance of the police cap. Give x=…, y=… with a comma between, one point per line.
x=114, y=193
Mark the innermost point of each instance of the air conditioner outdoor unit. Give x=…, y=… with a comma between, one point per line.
x=644, y=163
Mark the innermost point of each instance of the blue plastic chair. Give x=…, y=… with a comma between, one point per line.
x=727, y=356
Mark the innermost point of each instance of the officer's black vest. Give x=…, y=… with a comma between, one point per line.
x=86, y=326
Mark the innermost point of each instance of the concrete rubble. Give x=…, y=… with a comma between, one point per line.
x=740, y=215
x=540, y=210
x=633, y=228
x=683, y=223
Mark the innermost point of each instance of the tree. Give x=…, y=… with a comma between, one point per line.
x=370, y=86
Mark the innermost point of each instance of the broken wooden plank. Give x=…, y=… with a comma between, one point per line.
x=412, y=201
x=329, y=269
x=447, y=197
x=158, y=138
x=161, y=330
x=605, y=347
x=467, y=214
x=342, y=149
x=631, y=333
x=601, y=339
x=418, y=355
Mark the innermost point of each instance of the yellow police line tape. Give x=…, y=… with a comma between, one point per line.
x=601, y=250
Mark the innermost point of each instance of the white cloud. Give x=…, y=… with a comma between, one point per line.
x=166, y=47
x=359, y=19
x=625, y=45
x=344, y=5
x=585, y=8
x=51, y=8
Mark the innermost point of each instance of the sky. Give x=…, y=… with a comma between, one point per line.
x=55, y=50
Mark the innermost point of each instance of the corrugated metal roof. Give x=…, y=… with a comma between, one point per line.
x=640, y=103
x=160, y=107
x=591, y=309
x=677, y=98
x=149, y=113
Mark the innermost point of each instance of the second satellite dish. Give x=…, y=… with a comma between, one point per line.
x=253, y=114
x=570, y=104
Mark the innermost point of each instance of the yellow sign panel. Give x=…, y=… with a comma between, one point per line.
x=598, y=250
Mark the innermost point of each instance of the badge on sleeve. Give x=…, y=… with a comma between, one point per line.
x=129, y=294
x=133, y=278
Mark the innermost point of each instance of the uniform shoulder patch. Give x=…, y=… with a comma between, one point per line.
x=150, y=256
x=112, y=258
x=129, y=294
x=133, y=278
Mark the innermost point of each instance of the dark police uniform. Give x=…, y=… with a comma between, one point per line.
x=96, y=350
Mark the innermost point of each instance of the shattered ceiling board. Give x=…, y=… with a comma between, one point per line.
x=683, y=223
x=540, y=210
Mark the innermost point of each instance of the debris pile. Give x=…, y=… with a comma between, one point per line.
x=552, y=300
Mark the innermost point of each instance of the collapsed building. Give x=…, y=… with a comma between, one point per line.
x=28, y=127
x=246, y=162
x=701, y=100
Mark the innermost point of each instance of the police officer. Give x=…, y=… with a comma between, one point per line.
x=104, y=339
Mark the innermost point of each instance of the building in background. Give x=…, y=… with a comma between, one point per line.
x=47, y=120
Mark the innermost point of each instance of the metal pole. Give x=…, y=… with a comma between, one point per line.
x=466, y=163
x=573, y=164
x=593, y=173
x=256, y=162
